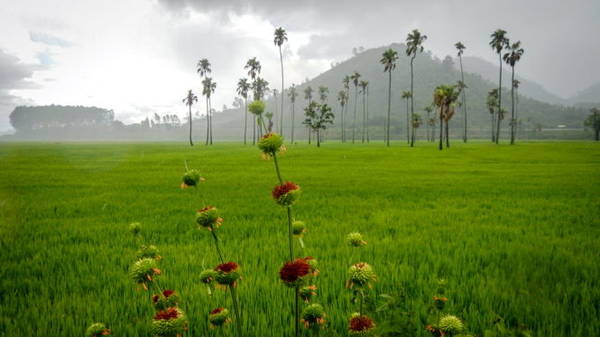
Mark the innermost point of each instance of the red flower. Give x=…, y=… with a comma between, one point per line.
x=168, y=314
x=216, y=311
x=168, y=293
x=284, y=189
x=227, y=267
x=360, y=323
x=292, y=271
x=207, y=208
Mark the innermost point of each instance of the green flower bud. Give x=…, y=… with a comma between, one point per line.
x=298, y=228
x=144, y=270
x=360, y=275
x=135, y=228
x=97, y=330
x=227, y=274
x=171, y=322
x=270, y=143
x=306, y=293
x=191, y=178
x=313, y=316
x=355, y=239
x=218, y=317
x=209, y=218
x=451, y=324
x=207, y=276
x=148, y=252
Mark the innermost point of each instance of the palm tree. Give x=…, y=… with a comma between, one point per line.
x=253, y=66
x=414, y=45
x=498, y=43
x=593, y=121
x=189, y=100
x=444, y=97
x=242, y=90
x=428, y=110
x=292, y=94
x=346, y=82
x=406, y=95
x=323, y=92
x=343, y=99
x=208, y=89
x=203, y=68
x=416, y=123
x=317, y=118
x=511, y=58
x=355, y=79
x=363, y=89
x=515, y=85
x=308, y=96
x=492, y=105
x=280, y=38
x=461, y=48
x=388, y=59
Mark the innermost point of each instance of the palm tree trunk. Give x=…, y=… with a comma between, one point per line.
x=464, y=98
x=207, y=122
x=253, y=129
x=318, y=138
x=412, y=102
x=513, y=121
x=493, y=115
x=293, y=104
x=407, y=123
x=190, y=114
x=245, y=119
x=211, y=120
x=367, y=123
x=447, y=135
x=499, y=101
x=354, y=120
x=343, y=131
x=441, y=129
x=387, y=138
x=282, y=93
x=364, y=118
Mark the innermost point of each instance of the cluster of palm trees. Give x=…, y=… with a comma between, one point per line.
x=446, y=98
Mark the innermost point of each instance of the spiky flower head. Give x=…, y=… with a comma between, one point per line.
x=218, y=317
x=209, y=218
x=227, y=274
x=360, y=275
x=313, y=316
x=256, y=107
x=298, y=228
x=360, y=325
x=167, y=299
x=307, y=292
x=148, y=252
x=135, y=228
x=207, y=276
x=270, y=143
x=144, y=270
x=171, y=322
x=355, y=239
x=97, y=330
x=191, y=178
x=451, y=324
x=286, y=194
x=294, y=273
x=439, y=302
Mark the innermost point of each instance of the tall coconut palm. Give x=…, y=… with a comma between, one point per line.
x=346, y=82
x=323, y=93
x=243, y=87
x=414, y=45
x=492, y=105
x=515, y=85
x=292, y=94
x=189, y=100
x=280, y=38
x=389, y=59
x=444, y=98
x=203, y=68
x=461, y=48
x=511, y=58
x=355, y=79
x=498, y=43
x=253, y=66
x=342, y=97
x=363, y=89
x=308, y=96
x=208, y=89
x=367, y=124
x=406, y=95
x=428, y=110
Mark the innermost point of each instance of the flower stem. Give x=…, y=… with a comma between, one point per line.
x=360, y=309
x=236, y=309
x=277, y=168
x=290, y=233
x=297, y=312
x=216, y=239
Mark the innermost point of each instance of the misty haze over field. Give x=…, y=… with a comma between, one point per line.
x=138, y=57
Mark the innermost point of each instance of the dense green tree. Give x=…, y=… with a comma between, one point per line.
x=355, y=77
x=511, y=58
x=364, y=86
x=414, y=45
x=406, y=96
x=189, y=100
x=444, y=98
x=317, y=117
x=498, y=42
x=243, y=87
x=461, y=48
x=389, y=59
x=593, y=121
x=292, y=94
x=279, y=39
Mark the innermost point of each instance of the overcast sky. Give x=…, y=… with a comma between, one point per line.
x=139, y=56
